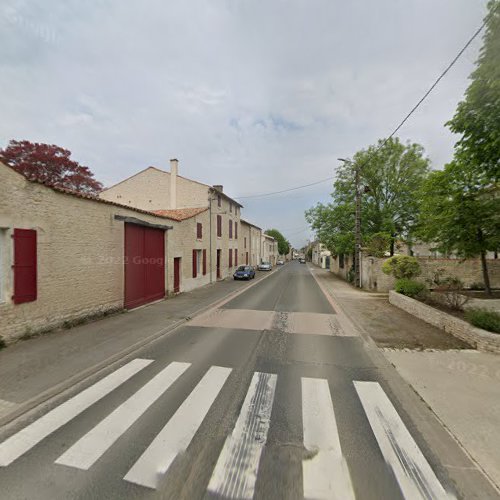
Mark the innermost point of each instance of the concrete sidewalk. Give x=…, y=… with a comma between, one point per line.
x=461, y=386
x=32, y=371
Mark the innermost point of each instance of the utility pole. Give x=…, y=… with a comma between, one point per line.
x=357, y=223
x=357, y=257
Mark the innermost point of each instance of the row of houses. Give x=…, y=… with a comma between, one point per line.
x=65, y=256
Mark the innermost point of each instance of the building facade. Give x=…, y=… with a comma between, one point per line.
x=217, y=250
x=66, y=257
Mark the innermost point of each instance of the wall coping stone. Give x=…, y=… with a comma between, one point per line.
x=477, y=337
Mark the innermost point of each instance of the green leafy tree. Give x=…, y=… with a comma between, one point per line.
x=477, y=118
x=283, y=245
x=391, y=175
x=460, y=212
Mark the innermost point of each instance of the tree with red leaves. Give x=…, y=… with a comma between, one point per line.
x=50, y=165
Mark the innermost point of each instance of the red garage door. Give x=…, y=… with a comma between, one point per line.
x=144, y=265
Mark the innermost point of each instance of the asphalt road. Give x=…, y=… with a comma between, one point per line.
x=266, y=397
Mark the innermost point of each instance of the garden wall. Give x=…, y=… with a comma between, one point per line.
x=469, y=271
x=478, y=338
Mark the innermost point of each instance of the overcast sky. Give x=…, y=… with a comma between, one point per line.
x=257, y=95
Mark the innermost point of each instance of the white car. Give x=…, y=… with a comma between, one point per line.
x=265, y=266
x=280, y=262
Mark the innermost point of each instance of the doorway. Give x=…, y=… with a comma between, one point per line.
x=218, y=264
x=177, y=274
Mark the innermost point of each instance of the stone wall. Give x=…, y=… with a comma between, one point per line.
x=478, y=338
x=80, y=251
x=469, y=271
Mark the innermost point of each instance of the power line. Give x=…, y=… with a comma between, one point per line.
x=284, y=190
x=405, y=119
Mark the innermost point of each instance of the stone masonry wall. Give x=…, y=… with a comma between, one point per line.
x=469, y=271
x=80, y=253
x=478, y=338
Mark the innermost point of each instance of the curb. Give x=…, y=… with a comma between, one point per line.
x=396, y=384
x=110, y=363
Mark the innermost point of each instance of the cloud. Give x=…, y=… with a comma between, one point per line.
x=256, y=95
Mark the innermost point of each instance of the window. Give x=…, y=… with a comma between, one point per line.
x=199, y=230
x=235, y=230
x=230, y=228
x=25, y=266
x=197, y=262
x=246, y=243
x=230, y=207
x=219, y=226
x=230, y=258
x=219, y=200
x=235, y=257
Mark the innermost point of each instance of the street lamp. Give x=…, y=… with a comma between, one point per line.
x=357, y=227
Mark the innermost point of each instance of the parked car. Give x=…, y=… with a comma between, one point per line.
x=244, y=273
x=280, y=262
x=265, y=266
x=302, y=260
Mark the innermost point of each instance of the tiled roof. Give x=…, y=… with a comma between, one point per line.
x=180, y=214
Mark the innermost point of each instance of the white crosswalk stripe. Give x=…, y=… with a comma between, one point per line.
x=24, y=440
x=325, y=471
x=236, y=470
x=175, y=437
x=93, y=445
x=413, y=473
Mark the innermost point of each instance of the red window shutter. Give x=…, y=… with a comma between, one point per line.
x=204, y=261
x=230, y=228
x=25, y=266
x=235, y=230
x=195, y=264
x=235, y=257
x=230, y=258
x=199, y=230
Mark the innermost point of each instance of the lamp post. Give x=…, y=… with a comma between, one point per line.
x=357, y=224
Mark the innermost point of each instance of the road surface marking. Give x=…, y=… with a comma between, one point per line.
x=235, y=473
x=85, y=452
x=325, y=471
x=24, y=440
x=175, y=437
x=413, y=473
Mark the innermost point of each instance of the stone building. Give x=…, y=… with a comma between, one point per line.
x=66, y=256
x=209, y=239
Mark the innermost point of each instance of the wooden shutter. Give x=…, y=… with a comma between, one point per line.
x=230, y=257
x=219, y=225
x=230, y=228
x=235, y=257
x=25, y=266
x=235, y=230
x=199, y=231
x=204, y=261
x=195, y=264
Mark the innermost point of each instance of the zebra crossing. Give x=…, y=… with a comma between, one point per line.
x=326, y=473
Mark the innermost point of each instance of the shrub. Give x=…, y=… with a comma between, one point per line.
x=453, y=288
x=477, y=286
x=410, y=288
x=401, y=266
x=482, y=318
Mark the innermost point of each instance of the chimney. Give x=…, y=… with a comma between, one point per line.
x=218, y=187
x=174, y=170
